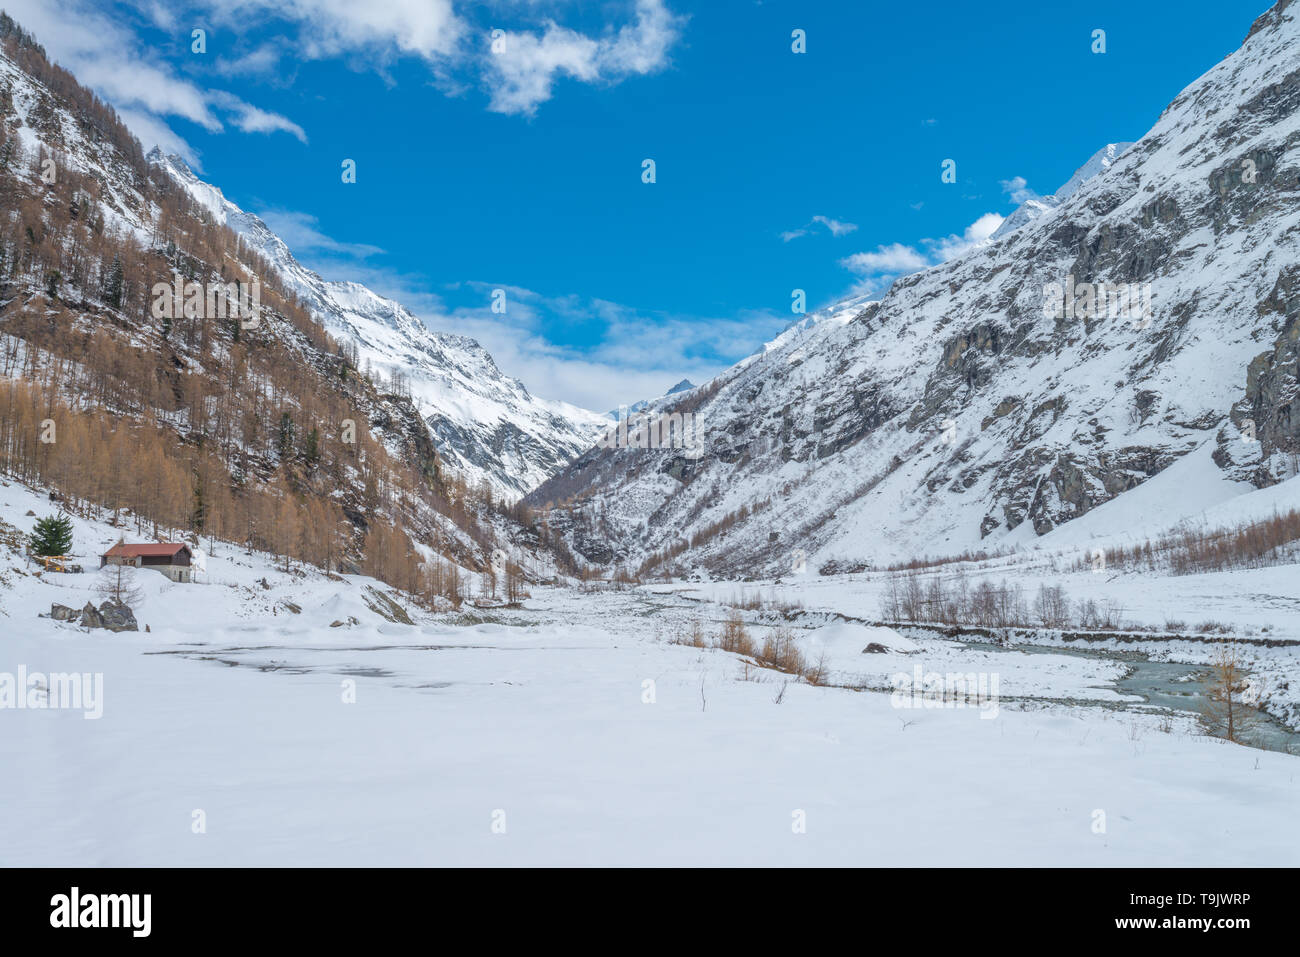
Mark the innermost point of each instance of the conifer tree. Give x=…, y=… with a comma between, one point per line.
x=311, y=446
x=285, y=443
x=113, y=285
x=52, y=535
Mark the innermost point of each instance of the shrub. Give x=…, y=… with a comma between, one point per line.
x=735, y=638
x=780, y=652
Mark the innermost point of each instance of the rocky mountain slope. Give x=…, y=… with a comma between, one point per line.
x=484, y=423
x=973, y=407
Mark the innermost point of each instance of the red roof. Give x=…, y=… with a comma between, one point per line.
x=159, y=550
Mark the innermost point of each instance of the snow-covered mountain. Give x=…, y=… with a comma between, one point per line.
x=1034, y=207
x=617, y=414
x=968, y=408
x=483, y=422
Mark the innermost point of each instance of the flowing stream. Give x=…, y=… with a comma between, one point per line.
x=1164, y=686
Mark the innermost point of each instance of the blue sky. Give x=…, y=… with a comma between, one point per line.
x=521, y=168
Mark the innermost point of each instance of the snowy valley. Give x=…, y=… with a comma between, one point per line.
x=268, y=718
x=958, y=576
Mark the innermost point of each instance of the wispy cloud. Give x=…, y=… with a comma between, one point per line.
x=522, y=66
x=1018, y=189
x=252, y=119
x=258, y=62
x=302, y=234
x=837, y=228
x=894, y=258
x=623, y=354
x=879, y=268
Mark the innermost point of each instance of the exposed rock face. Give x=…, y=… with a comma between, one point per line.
x=966, y=404
x=63, y=613
x=1267, y=419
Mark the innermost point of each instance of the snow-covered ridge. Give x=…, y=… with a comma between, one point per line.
x=484, y=423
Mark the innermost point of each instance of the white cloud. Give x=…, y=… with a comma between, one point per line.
x=326, y=28
x=976, y=234
x=252, y=119
x=262, y=60
x=1018, y=189
x=880, y=268
x=301, y=233
x=984, y=227
x=636, y=354
x=521, y=72
x=159, y=14
x=894, y=258
x=836, y=227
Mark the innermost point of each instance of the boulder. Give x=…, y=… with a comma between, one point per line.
x=91, y=618
x=62, y=613
x=116, y=616
x=113, y=615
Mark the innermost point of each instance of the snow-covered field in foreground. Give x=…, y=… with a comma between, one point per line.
x=540, y=721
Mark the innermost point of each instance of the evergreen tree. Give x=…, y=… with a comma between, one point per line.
x=113, y=286
x=311, y=446
x=285, y=444
x=52, y=280
x=52, y=535
x=199, y=513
